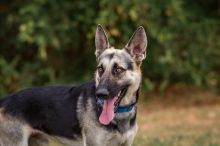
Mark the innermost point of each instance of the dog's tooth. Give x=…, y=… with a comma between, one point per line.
x=119, y=93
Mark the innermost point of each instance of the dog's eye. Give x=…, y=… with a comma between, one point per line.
x=119, y=70
x=100, y=70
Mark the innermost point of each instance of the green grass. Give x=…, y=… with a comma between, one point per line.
x=180, y=121
x=206, y=139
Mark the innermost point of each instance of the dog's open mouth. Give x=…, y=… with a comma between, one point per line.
x=109, y=107
x=121, y=94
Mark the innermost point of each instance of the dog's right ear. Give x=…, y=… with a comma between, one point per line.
x=101, y=41
x=137, y=45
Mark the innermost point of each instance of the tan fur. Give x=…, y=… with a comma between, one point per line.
x=134, y=76
x=97, y=136
x=12, y=131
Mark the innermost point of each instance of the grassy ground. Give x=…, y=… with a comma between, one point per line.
x=178, y=118
x=192, y=126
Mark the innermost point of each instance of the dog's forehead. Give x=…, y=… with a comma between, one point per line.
x=113, y=55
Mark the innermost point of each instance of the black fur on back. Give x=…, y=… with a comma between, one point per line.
x=53, y=110
x=49, y=109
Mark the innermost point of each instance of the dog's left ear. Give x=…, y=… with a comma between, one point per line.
x=137, y=45
x=101, y=41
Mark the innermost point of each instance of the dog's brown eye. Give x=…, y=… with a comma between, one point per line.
x=100, y=70
x=119, y=70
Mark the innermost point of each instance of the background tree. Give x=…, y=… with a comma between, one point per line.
x=52, y=41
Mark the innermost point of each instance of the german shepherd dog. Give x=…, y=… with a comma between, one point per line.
x=98, y=113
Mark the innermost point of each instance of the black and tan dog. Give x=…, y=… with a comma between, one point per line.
x=97, y=113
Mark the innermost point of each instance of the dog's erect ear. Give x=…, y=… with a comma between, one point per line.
x=101, y=41
x=137, y=45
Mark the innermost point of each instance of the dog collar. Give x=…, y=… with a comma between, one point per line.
x=120, y=109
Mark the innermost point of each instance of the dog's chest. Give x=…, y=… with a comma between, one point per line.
x=100, y=136
x=96, y=135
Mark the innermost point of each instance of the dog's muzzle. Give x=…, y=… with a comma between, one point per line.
x=102, y=93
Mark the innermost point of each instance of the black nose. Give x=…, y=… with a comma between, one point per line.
x=102, y=93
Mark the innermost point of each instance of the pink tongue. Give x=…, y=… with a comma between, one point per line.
x=107, y=114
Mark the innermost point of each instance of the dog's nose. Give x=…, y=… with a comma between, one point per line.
x=102, y=93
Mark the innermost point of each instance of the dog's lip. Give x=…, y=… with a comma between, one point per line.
x=120, y=95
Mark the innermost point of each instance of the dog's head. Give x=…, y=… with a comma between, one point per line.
x=118, y=73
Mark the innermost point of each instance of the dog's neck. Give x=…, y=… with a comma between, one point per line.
x=123, y=121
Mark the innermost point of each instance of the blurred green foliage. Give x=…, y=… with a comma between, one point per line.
x=52, y=41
